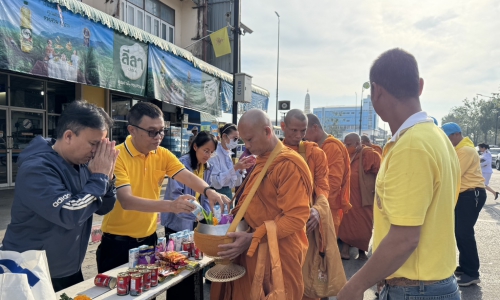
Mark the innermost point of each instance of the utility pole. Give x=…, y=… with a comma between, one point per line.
x=236, y=59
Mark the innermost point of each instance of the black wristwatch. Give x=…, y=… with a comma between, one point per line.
x=205, y=190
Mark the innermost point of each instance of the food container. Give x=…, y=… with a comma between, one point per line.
x=123, y=283
x=136, y=284
x=146, y=279
x=154, y=274
x=103, y=280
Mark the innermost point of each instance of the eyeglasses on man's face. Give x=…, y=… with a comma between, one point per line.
x=151, y=133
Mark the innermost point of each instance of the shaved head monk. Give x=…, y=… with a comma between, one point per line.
x=283, y=197
x=357, y=225
x=338, y=168
x=294, y=129
x=365, y=140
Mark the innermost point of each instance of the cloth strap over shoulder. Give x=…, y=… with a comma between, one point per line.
x=275, y=287
x=253, y=189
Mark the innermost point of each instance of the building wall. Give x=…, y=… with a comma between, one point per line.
x=185, y=16
x=348, y=116
x=94, y=95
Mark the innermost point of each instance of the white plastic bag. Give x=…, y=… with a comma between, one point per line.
x=25, y=276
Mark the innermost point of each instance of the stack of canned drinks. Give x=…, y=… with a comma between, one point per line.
x=183, y=243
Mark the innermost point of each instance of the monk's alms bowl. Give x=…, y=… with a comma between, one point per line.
x=207, y=238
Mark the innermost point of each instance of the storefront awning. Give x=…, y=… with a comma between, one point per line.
x=141, y=35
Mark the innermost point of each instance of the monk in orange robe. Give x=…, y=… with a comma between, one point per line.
x=365, y=140
x=357, y=225
x=294, y=129
x=283, y=196
x=338, y=168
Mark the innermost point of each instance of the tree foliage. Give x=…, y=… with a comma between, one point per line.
x=478, y=119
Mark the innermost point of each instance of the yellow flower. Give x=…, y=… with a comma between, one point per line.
x=215, y=221
x=82, y=297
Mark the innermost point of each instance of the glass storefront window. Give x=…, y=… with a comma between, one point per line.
x=3, y=89
x=120, y=132
x=27, y=92
x=59, y=95
x=52, y=125
x=120, y=107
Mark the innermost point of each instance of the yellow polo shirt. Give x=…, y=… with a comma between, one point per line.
x=145, y=175
x=470, y=166
x=417, y=185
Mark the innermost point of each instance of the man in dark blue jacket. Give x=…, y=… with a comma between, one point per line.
x=60, y=185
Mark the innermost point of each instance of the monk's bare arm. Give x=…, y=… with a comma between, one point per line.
x=392, y=253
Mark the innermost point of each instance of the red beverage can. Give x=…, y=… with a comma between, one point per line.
x=132, y=271
x=193, y=250
x=198, y=255
x=154, y=274
x=105, y=281
x=146, y=279
x=122, y=284
x=186, y=246
x=136, y=284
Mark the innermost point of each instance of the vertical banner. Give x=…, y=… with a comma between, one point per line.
x=258, y=101
x=175, y=80
x=130, y=63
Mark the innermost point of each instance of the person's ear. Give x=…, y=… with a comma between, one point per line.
x=67, y=136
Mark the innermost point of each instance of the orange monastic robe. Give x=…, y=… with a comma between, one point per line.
x=357, y=225
x=318, y=165
x=283, y=196
x=377, y=148
x=338, y=178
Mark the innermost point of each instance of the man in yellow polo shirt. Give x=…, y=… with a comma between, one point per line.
x=470, y=202
x=140, y=170
x=416, y=189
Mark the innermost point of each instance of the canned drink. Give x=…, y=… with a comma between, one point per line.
x=136, y=284
x=198, y=211
x=123, y=283
x=133, y=257
x=146, y=279
x=198, y=255
x=186, y=246
x=105, y=281
x=154, y=274
x=185, y=253
x=132, y=271
x=141, y=267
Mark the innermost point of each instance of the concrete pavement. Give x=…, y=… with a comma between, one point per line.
x=487, y=236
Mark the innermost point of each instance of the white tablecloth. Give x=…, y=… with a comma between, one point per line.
x=88, y=288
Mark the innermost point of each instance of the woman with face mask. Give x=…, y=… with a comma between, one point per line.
x=225, y=176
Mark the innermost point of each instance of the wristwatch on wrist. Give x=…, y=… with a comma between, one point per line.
x=207, y=188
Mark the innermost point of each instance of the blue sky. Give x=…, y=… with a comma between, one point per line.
x=328, y=46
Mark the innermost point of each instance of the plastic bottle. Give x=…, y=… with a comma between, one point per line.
x=217, y=212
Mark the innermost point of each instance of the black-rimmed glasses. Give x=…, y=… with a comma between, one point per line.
x=151, y=133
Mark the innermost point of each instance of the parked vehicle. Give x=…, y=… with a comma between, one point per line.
x=494, y=157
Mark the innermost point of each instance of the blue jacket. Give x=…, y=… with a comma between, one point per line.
x=175, y=189
x=53, y=207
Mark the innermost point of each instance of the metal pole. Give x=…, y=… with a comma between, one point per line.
x=277, y=68
x=236, y=53
x=361, y=110
x=236, y=60
x=355, y=111
x=496, y=129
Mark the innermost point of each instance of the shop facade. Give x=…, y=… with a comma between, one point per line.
x=53, y=52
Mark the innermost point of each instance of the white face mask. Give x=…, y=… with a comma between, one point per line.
x=232, y=144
